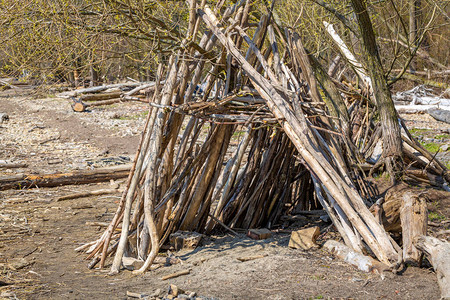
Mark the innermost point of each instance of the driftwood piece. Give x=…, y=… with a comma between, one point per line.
x=70, y=178
x=12, y=165
x=361, y=261
x=223, y=224
x=97, y=89
x=177, y=274
x=248, y=258
x=414, y=216
x=438, y=253
x=388, y=210
x=348, y=54
x=404, y=210
x=87, y=194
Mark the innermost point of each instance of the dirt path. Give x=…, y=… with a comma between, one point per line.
x=38, y=235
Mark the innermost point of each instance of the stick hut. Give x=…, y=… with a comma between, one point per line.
x=244, y=126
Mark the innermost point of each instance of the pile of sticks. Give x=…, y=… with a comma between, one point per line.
x=301, y=141
x=108, y=94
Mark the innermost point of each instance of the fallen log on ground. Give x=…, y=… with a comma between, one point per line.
x=361, y=261
x=438, y=253
x=12, y=165
x=23, y=181
x=97, y=89
x=100, y=96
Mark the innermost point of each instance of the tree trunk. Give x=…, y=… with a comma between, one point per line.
x=392, y=143
x=414, y=19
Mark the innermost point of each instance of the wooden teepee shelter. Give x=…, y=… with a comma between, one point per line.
x=299, y=137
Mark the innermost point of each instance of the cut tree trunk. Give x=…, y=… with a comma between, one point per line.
x=438, y=253
x=404, y=210
x=414, y=216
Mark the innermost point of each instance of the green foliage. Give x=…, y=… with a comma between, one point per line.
x=53, y=39
x=431, y=147
x=318, y=277
x=418, y=131
x=442, y=136
x=433, y=216
x=447, y=165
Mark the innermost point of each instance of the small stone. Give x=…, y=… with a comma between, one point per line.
x=354, y=279
x=156, y=293
x=173, y=290
x=7, y=295
x=192, y=294
x=445, y=147
x=131, y=263
x=3, y=117
x=305, y=238
x=54, y=161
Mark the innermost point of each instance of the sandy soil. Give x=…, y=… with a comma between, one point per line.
x=38, y=235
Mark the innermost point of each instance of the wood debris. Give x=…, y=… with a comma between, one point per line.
x=259, y=234
x=176, y=274
x=21, y=181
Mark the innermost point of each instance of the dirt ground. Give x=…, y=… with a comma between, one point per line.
x=38, y=235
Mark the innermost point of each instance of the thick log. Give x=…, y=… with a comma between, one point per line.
x=413, y=215
x=71, y=178
x=102, y=96
x=361, y=261
x=404, y=210
x=438, y=252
